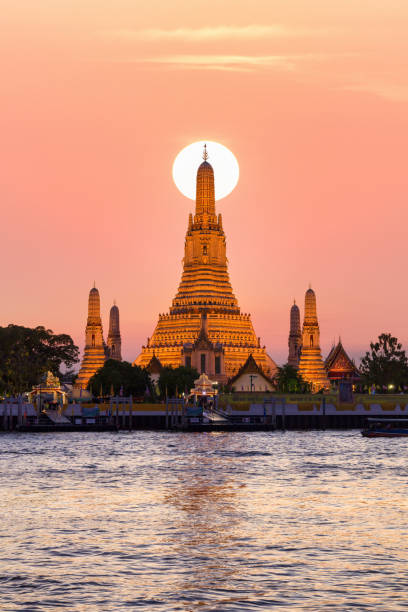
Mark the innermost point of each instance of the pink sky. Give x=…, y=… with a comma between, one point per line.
x=97, y=99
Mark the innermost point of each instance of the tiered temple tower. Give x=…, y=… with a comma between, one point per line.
x=94, y=355
x=114, y=339
x=295, y=337
x=205, y=288
x=311, y=366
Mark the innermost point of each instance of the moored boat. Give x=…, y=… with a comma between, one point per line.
x=386, y=428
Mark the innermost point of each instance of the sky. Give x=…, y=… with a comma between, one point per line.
x=98, y=97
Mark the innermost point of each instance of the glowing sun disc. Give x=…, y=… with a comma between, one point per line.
x=224, y=163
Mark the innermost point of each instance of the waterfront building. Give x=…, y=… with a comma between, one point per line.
x=49, y=390
x=295, y=337
x=339, y=366
x=251, y=377
x=114, y=342
x=311, y=366
x=205, y=288
x=94, y=354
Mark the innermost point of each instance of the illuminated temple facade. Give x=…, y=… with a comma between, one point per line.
x=204, y=325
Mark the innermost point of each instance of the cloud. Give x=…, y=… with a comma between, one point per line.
x=388, y=91
x=250, y=32
x=231, y=62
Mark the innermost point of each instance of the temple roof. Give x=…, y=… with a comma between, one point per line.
x=154, y=366
x=338, y=359
x=250, y=367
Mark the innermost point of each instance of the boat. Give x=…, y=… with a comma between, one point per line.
x=386, y=428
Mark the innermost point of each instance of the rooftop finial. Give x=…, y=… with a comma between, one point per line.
x=114, y=301
x=205, y=154
x=94, y=285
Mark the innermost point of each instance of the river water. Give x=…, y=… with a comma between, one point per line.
x=208, y=521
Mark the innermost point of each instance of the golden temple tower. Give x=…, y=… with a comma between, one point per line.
x=205, y=288
x=114, y=341
x=295, y=337
x=94, y=354
x=311, y=366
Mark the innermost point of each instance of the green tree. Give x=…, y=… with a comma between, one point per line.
x=179, y=380
x=288, y=380
x=26, y=354
x=385, y=363
x=119, y=375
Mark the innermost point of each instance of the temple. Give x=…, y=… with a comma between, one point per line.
x=295, y=337
x=311, y=366
x=114, y=342
x=340, y=367
x=94, y=354
x=225, y=336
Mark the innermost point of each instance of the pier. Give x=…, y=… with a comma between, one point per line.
x=269, y=412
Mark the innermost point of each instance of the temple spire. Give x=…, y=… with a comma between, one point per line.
x=114, y=337
x=295, y=336
x=205, y=191
x=311, y=366
x=94, y=352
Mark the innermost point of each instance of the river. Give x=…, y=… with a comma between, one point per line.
x=203, y=522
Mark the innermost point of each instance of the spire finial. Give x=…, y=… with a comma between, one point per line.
x=205, y=154
x=114, y=301
x=310, y=285
x=294, y=301
x=94, y=285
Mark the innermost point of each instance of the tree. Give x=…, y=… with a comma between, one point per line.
x=385, y=363
x=118, y=375
x=179, y=380
x=288, y=380
x=26, y=354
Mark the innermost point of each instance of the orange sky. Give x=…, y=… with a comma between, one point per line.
x=98, y=97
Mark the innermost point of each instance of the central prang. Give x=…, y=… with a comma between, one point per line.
x=205, y=289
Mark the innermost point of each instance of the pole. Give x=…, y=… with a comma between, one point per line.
x=130, y=413
x=20, y=406
x=167, y=412
x=117, y=412
x=324, y=412
x=283, y=413
x=274, y=413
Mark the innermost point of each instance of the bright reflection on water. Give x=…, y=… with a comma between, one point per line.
x=230, y=521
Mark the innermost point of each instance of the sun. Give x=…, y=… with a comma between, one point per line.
x=223, y=161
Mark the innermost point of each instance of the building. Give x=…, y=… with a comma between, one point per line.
x=94, y=353
x=204, y=355
x=154, y=367
x=339, y=366
x=205, y=288
x=295, y=337
x=114, y=342
x=250, y=377
x=311, y=366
